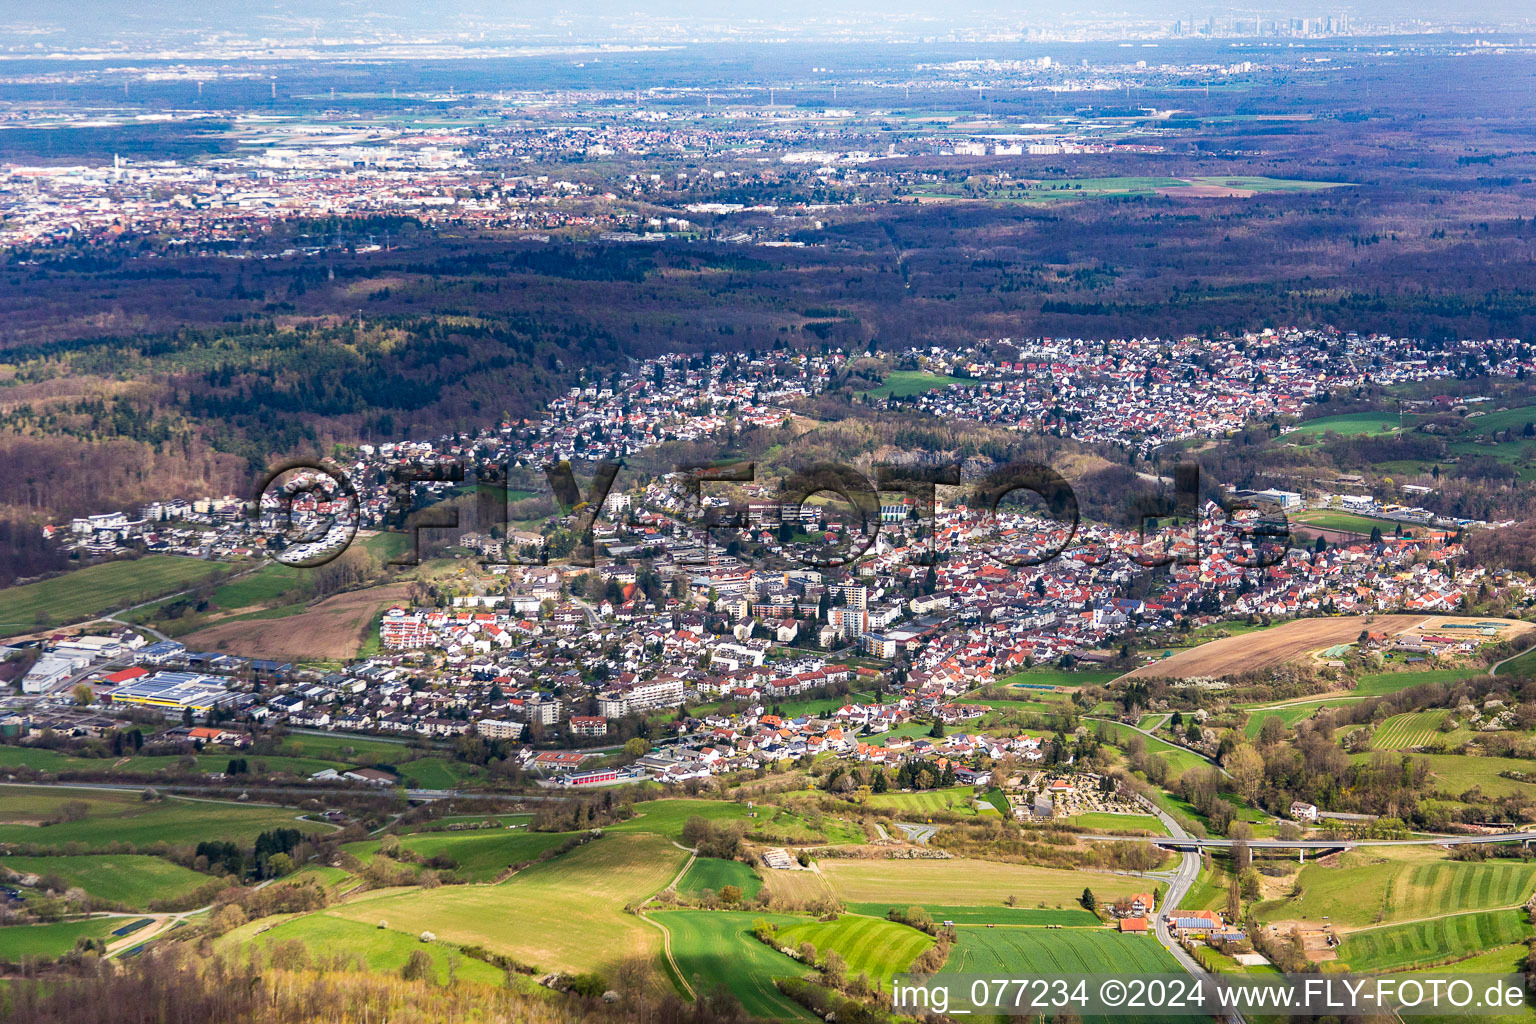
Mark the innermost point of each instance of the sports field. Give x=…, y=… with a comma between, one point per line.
x=1057, y=951
x=1343, y=521
x=564, y=914
x=957, y=882
x=129, y=881
x=1381, y=888
x=717, y=947
x=867, y=945
x=107, y=587
x=715, y=874
x=905, y=383
x=1436, y=941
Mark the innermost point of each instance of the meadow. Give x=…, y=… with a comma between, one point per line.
x=956, y=800
x=1289, y=716
x=1353, y=424
x=1108, y=822
x=717, y=947
x=1064, y=951
x=380, y=949
x=959, y=882
x=1375, y=888
x=1179, y=759
x=133, y=881
x=667, y=817
x=563, y=914
x=1437, y=941
x=999, y=914
x=714, y=873
x=867, y=945
x=124, y=817
x=1378, y=684
x=51, y=940
x=482, y=856
x=1456, y=773
x=108, y=586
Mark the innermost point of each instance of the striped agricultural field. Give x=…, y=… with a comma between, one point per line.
x=867, y=945
x=1057, y=951
x=1410, y=731
x=1439, y=940
x=1448, y=887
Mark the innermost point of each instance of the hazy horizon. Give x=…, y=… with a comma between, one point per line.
x=100, y=22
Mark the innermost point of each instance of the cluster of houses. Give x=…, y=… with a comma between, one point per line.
x=1145, y=392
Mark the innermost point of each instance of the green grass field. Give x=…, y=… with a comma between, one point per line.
x=1068, y=951
x=98, y=588
x=1179, y=759
x=482, y=856
x=1346, y=521
x=1379, y=684
x=1456, y=773
x=963, y=882
x=566, y=914
x=1120, y=822
x=905, y=383
x=1436, y=941
x=437, y=773
x=1407, y=883
x=382, y=950
x=271, y=584
x=1353, y=424
x=1044, y=676
x=123, y=817
x=1487, y=423
x=1290, y=716
x=823, y=705
x=715, y=947
x=998, y=914
x=868, y=945
x=1414, y=729
x=715, y=874
x=51, y=940
x=129, y=881
x=956, y=800
x=1524, y=665
x=667, y=817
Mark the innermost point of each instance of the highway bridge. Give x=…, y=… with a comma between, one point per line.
x=1319, y=847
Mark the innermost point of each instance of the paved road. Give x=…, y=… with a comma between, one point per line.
x=1183, y=840
x=1184, y=877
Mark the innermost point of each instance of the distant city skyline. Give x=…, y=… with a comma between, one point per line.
x=115, y=23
